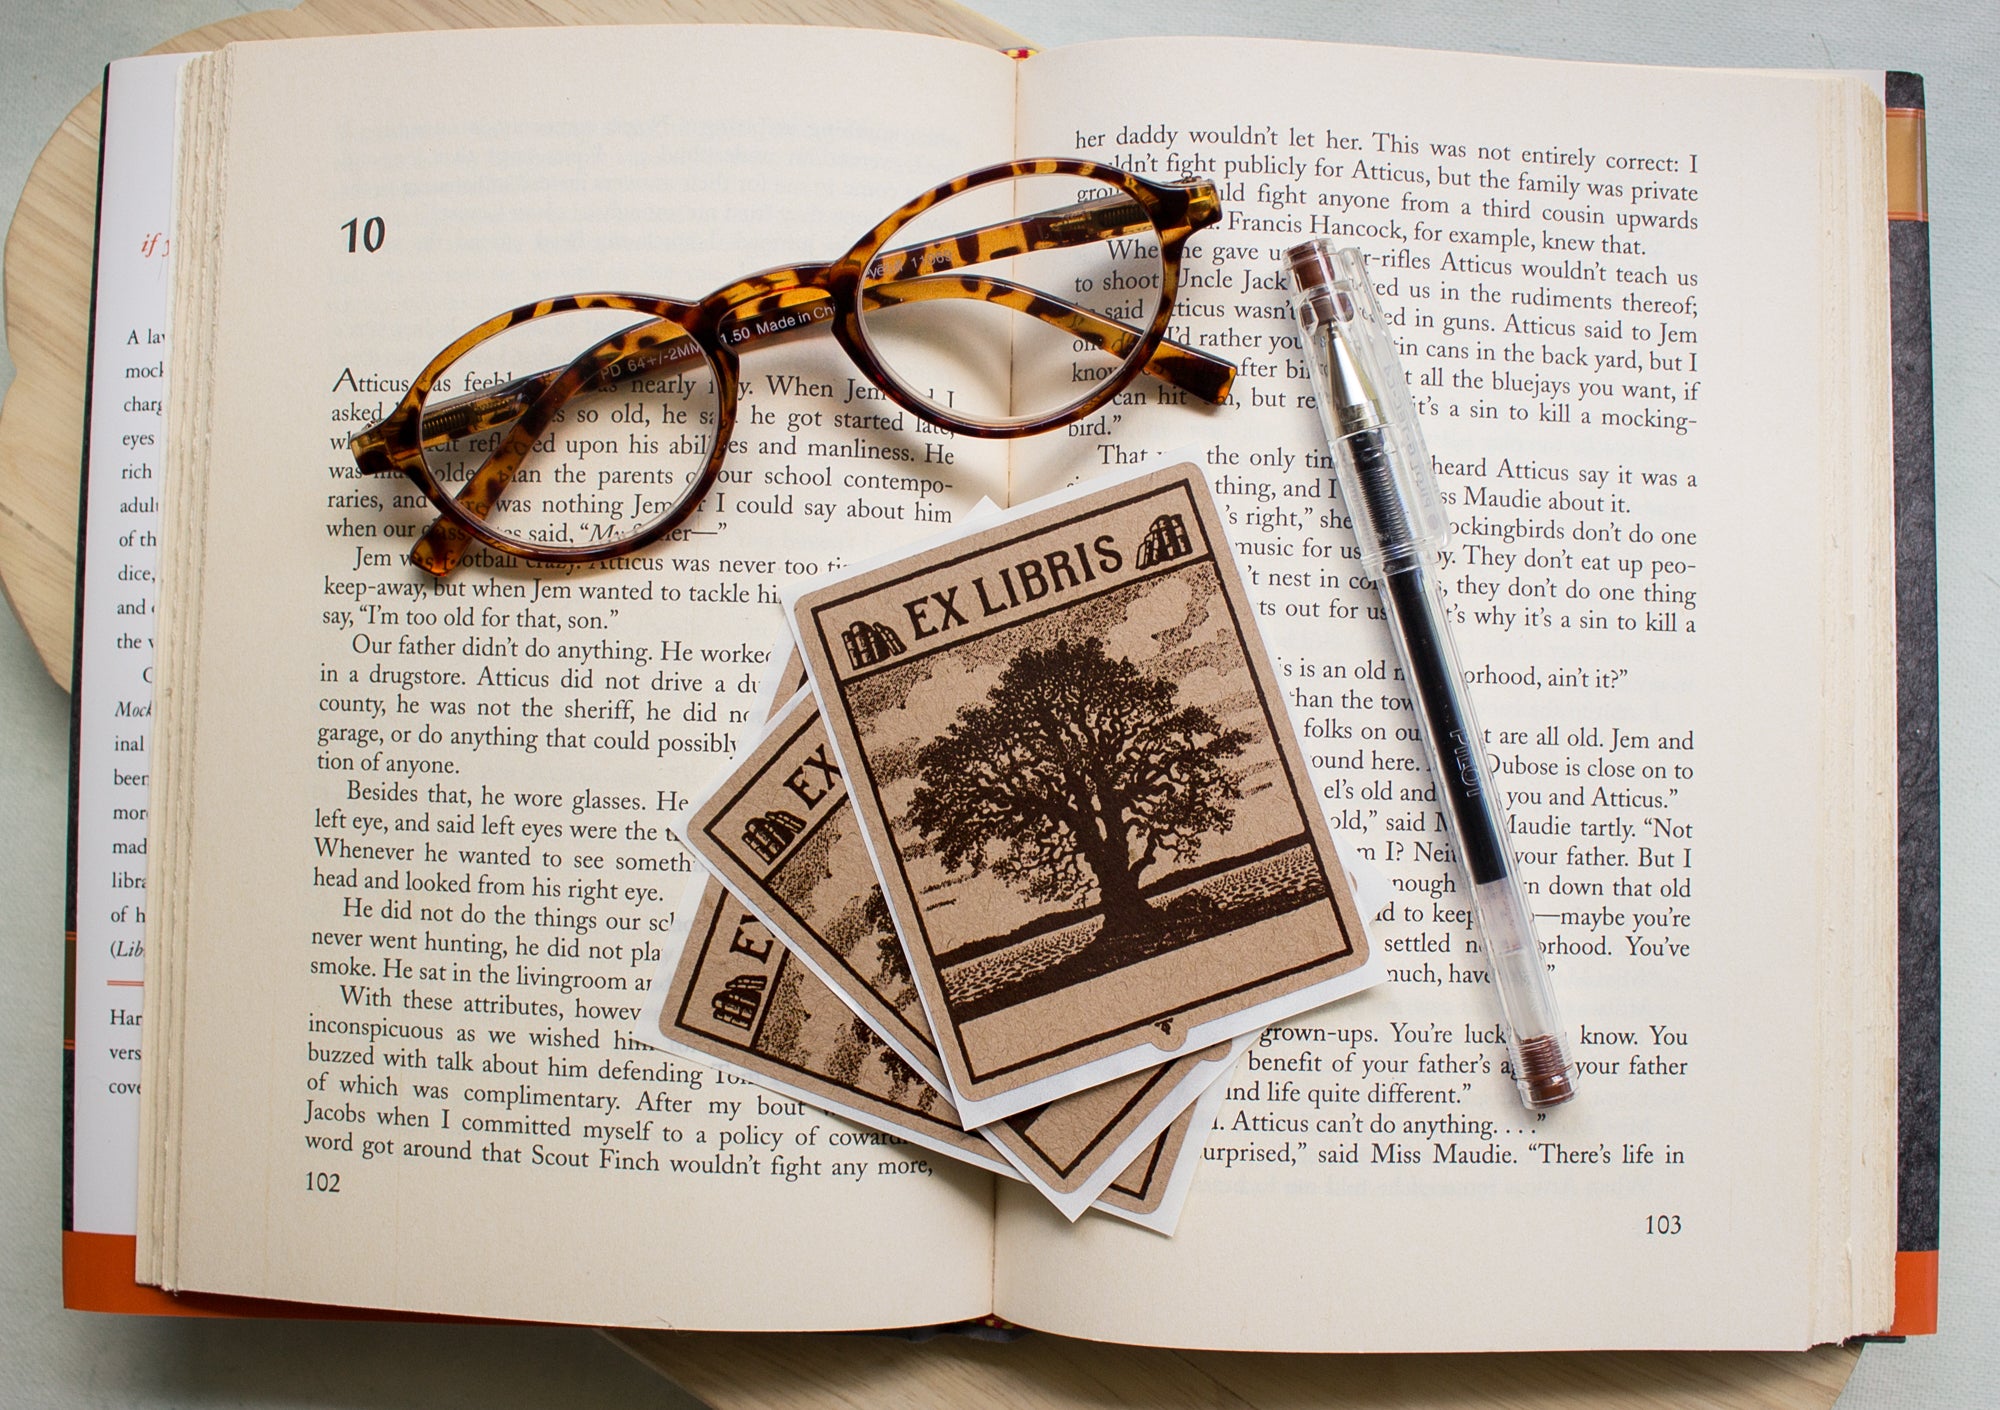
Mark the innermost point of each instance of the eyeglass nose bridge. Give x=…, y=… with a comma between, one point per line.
x=789, y=299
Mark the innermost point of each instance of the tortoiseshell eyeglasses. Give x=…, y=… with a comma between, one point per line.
x=1016, y=299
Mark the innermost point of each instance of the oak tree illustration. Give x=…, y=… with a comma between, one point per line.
x=1077, y=772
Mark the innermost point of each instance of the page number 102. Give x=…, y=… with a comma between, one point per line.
x=365, y=234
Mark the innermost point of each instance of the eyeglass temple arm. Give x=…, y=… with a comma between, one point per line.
x=1198, y=373
x=1100, y=218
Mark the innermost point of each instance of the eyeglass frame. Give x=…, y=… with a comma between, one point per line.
x=786, y=300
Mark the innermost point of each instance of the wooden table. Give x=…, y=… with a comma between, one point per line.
x=41, y=435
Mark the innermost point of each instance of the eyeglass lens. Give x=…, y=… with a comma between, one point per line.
x=990, y=334
x=611, y=459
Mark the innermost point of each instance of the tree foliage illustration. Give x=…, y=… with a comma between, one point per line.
x=1076, y=773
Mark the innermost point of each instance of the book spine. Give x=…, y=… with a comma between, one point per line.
x=1919, y=1066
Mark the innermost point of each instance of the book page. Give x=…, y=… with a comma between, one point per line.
x=119, y=603
x=1636, y=310
x=425, y=872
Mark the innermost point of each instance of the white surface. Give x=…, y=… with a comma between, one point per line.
x=58, y=1359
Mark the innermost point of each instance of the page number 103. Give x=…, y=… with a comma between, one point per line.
x=1663, y=1224
x=365, y=234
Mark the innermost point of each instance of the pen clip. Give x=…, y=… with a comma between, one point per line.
x=1365, y=404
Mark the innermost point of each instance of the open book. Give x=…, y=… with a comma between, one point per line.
x=409, y=869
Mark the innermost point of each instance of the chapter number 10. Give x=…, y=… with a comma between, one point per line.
x=365, y=234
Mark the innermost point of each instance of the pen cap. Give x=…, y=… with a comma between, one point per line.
x=1364, y=405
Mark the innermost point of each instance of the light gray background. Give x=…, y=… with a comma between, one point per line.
x=51, y=54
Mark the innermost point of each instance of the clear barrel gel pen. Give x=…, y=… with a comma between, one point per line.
x=1391, y=495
